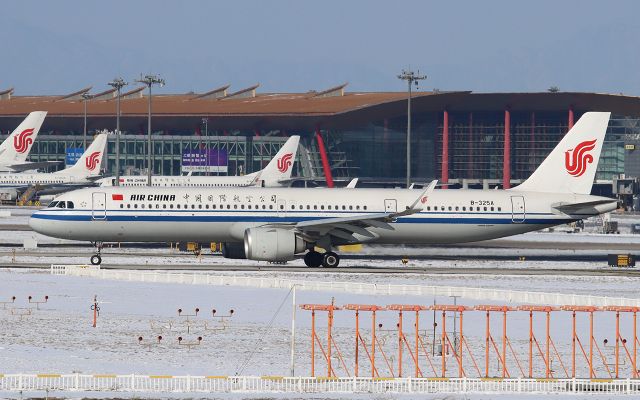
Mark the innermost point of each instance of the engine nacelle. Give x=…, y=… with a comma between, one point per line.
x=233, y=251
x=272, y=244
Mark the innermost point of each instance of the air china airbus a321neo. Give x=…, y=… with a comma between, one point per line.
x=272, y=224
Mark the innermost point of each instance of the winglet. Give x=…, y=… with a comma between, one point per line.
x=424, y=195
x=352, y=184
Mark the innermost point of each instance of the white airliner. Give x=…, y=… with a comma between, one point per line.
x=276, y=224
x=80, y=174
x=276, y=174
x=15, y=149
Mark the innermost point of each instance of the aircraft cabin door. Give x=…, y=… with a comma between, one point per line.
x=390, y=205
x=518, y=214
x=99, y=206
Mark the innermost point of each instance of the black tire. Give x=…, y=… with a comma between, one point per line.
x=330, y=260
x=96, y=259
x=313, y=259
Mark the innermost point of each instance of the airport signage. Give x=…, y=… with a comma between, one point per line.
x=200, y=160
x=73, y=155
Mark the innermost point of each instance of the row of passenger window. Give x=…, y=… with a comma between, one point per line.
x=238, y=206
x=463, y=208
x=182, y=185
x=203, y=206
x=329, y=207
x=31, y=182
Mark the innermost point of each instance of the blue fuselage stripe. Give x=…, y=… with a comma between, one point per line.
x=289, y=219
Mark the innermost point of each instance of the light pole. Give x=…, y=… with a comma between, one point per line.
x=205, y=121
x=150, y=80
x=410, y=77
x=118, y=84
x=455, y=320
x=85, y=98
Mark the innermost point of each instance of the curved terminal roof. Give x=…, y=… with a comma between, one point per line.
x=307, y=110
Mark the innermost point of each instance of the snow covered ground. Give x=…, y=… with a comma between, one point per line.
x=59, y=338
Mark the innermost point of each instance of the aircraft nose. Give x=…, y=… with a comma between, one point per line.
x=39, y=224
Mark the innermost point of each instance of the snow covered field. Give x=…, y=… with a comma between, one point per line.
x=59, y=338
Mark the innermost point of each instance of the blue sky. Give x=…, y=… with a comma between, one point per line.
x=55, y=47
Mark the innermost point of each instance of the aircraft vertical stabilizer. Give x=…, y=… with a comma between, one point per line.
x=281, y=166
x=16, y=148
x=571, y=166
x=91, y=160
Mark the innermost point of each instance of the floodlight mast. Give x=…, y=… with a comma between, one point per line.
x=205, y=121
x=118, y=84
x=150, y=80
x=85, y=98
x=410, y=77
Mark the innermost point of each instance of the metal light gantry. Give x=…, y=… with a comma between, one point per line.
x=507, y=352
x=371, y=355
x=329, y=309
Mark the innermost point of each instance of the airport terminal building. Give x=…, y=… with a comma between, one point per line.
x=463, y=138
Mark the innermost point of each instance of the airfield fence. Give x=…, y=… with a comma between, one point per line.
x=200, y=278
x=279, y=384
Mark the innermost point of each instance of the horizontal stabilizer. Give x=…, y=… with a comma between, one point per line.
x=585, y=207
x=33, y=165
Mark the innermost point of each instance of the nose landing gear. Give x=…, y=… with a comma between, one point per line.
x=96, y=259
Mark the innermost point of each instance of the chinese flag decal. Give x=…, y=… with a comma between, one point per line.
x=117, y=197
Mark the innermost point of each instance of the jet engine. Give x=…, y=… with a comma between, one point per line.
x=272, y=244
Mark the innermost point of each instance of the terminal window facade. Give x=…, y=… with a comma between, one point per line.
x=373, y=150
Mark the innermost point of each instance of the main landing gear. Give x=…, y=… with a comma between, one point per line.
x=96, y=259
x=314, y=259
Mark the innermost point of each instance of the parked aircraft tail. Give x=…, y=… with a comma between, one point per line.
x=89, y=164
x=281, y=166
x=571, y=166
x=17, y=146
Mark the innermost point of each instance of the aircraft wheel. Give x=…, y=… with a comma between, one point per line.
x=96, y=259
x=313, y=259
x=330, y=259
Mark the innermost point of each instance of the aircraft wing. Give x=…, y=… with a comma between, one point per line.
x=355, y=229
x=33, y=165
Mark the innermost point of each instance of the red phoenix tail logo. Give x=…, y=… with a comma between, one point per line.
x=22, y=142
x=92, y=161
x=577, y=159
x=284, y=162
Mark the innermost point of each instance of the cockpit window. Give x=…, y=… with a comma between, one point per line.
x=69, y=204
x=61, y=204
x=52, y=204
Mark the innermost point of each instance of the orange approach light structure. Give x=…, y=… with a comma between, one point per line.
x=541, y=353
